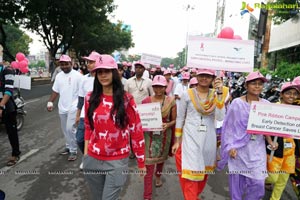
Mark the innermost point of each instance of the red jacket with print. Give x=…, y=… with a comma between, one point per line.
x=109, y=142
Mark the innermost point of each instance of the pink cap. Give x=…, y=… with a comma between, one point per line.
x=124, y=63
x=171, y=65
x=255, y=75
x=92, y=57
x=159, y=80
x=167, y=72
x=206, y=71
x=105, y=62
x=193, y=81
x=185, y=68
x=186, y=76
x=129, y=64
x=296, y=81
x=139, y=63
x=174, y=71
x=289, y=85
x=158, y=67
x=194, y=70
x=65, y=58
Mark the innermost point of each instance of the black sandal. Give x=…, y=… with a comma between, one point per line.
x=12, y=161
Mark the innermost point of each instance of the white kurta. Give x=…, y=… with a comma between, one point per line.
x=198, y=147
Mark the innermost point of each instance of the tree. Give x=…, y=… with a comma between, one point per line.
x=282, y=15
x=59, y=22
x=103, y=39
x=9, y=14
x=16, y=41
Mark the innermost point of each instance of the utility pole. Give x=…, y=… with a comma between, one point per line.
x=219, y=22
x=265, y=48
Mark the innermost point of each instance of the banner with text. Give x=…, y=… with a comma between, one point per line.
x=220, y=54
x=150, y=59
x=274, y=119
x=150, y=114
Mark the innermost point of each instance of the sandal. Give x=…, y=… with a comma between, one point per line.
x=12, y=161
x=158, y=183
x=268, y=186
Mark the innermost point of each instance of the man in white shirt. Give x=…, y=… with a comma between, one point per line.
x=140, y=87
x=66, y=86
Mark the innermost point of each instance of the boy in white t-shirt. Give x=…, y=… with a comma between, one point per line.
x=87, y=84
x=66, y=86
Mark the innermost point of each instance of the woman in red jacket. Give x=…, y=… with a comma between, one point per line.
x=111, y=122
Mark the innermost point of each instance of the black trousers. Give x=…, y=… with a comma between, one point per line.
x=10, y=122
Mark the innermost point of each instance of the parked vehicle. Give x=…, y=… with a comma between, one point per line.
x=20, y=103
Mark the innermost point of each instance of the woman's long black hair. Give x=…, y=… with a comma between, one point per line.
x=118, y=108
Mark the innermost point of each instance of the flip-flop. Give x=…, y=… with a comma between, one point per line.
x=12, y=161
x=158, y=184
x=268, y=186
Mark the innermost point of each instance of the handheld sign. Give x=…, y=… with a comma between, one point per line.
x=274, y=119
x=220, y=54
x=150, y=114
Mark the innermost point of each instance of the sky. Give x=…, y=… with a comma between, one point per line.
x=160, y=27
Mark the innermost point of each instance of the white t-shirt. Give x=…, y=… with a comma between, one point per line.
x=87, y=85
x=67, y=86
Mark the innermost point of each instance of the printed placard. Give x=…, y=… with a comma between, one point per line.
x=220, y=54
x=150, y=114
x=274, y=119
x=150, y=59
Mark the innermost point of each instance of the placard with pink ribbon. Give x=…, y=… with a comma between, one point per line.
x=274, y=119
x=220, y=54
x=150, y=114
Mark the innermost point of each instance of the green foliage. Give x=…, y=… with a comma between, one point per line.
x=16, y=41
x=40, y=63
x=282, y=15
x=286, y=70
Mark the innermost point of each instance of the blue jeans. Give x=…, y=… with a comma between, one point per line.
x=80, y=135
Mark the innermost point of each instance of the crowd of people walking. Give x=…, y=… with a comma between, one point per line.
x=203, y=129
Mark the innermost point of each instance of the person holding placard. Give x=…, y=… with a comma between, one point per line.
x=283, y=161
x=159, y=143
x=245, y=153
x=195, y=142
x=295, y=178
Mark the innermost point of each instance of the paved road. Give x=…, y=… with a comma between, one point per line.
x=42, y=174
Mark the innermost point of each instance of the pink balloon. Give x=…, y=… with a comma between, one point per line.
x=24, y=70
x=14, y=64
x=227, y=32
x=26, y=60
x=23, y=64
x=20, y=56
x=237, y=37
x=219, y=35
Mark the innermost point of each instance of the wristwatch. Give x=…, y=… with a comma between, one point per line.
x=2, y=107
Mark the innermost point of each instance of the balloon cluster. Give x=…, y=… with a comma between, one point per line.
x=228, y=33
x=21, y=63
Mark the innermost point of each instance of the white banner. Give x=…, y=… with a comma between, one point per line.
x=23, y=82
x=274, y=119
x=220, y=54
x=150, y=59
x=150, y=114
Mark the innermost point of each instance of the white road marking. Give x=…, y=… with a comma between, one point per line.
x=23, y=157
x=32, y=101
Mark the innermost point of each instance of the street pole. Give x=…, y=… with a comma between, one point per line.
x=188, y=7
x=265, y=48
